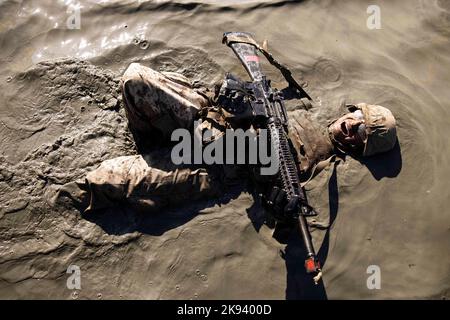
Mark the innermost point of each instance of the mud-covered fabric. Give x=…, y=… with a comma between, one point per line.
x=381, y=130
x=309, y=140
x=163, y=101
x=131, y=181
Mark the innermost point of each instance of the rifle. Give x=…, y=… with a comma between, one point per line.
x=269, y=112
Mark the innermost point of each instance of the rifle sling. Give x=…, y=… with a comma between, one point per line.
x=320, y=166
x=287, y=74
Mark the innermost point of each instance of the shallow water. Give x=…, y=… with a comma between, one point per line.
x=391, y=211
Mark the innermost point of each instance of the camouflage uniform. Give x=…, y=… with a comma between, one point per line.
x=166, y=101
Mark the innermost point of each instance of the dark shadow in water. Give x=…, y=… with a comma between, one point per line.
x=149, y=142
x=122, y=219
x=299, y=284
x=384, y=165
x=333, y=203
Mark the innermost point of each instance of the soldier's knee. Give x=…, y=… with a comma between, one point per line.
x=136, y=82
x=140, y=96
x=135, y=72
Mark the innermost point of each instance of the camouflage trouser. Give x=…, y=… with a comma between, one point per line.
x=129, y=180
x=163, y=101
x=152, y=100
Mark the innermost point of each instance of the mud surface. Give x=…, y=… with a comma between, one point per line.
x=61, y=115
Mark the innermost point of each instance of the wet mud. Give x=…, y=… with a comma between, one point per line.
x=61, y=115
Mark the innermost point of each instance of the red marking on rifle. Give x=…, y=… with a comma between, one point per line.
x=252, y=58
x=310, y=265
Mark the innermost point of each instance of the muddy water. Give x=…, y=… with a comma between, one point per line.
x=62, y=117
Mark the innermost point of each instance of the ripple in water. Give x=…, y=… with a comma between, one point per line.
x=328, y=72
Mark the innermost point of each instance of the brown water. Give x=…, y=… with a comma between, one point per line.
x=60, y=119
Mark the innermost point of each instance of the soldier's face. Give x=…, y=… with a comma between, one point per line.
x=350, y=130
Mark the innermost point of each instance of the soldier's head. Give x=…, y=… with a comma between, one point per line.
x=366, y=130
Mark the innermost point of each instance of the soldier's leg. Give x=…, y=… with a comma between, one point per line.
x=131, y=181
x=162, y=101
